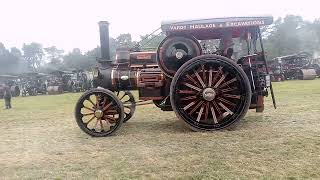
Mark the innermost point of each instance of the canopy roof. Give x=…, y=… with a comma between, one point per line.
x=214, y=28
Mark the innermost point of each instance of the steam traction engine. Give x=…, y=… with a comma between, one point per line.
x=206, y=91
x=297, y=66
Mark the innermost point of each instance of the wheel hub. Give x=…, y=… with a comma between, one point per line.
x=209, y=94
x=179, y=55
x=98, y=113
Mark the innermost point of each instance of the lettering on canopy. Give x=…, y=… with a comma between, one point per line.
x=217, y=25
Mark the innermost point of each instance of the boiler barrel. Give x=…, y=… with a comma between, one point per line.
x=116, y=79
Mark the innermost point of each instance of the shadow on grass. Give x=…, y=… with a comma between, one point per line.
x=175, y=126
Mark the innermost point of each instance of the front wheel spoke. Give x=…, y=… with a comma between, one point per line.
x=90, y=120
x=122, y=96
x=98, y=101
x=232, y=96
x=189, y=98
x=128, y=106
x=107, y=106
x=92, y=102
x=95, y=126
x=192, y=86
x=199, y=79
x=228, y=82
x=111, y=111
x=88, y=114
x=90, y=109
x=200, y=114
x=196, y=107
x=225, y=108
x=127, y=101
x=101, y=124
x=221, y=79
x=104, y=101
x=110, y=119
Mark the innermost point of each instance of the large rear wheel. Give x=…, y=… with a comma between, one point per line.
x=210, y=92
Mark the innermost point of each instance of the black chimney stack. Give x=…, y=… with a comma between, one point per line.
x=104, y=40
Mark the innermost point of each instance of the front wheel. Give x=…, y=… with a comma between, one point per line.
x=210, y=92
x=99, y=112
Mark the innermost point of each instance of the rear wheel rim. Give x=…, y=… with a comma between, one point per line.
x=210, y=94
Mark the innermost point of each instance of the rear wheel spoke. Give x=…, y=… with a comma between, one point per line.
x=196, y=107
x=214, y=117
x=221, y=79
x=217, y=74
x=199, y=79
x=232, y=96
x=226, y=101
x=206, y=111
x=192, y=80
x=189, y=105
x=225, y=108
x=228, y=82
x=200, y=114
x=210, y=77
x=189, y=98
x=229, y=89
x=217, y=107
x=192, y=86
x=204, y=77
x=186, y=92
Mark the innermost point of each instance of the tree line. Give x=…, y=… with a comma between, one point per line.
x=288, y=35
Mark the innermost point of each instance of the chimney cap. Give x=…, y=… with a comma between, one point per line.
x=103, y=22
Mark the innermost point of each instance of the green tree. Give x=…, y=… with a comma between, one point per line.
x=77, y=60
x=54, y=55
x=11, y=60
x=33, y=54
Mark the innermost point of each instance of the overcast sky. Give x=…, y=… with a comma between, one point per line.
x=73, y=23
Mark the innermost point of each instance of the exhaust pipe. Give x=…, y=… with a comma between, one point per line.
x=104, y=40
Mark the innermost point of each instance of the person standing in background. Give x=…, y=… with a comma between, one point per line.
x=7, y=97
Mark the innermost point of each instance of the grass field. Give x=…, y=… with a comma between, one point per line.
x=40, y=139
